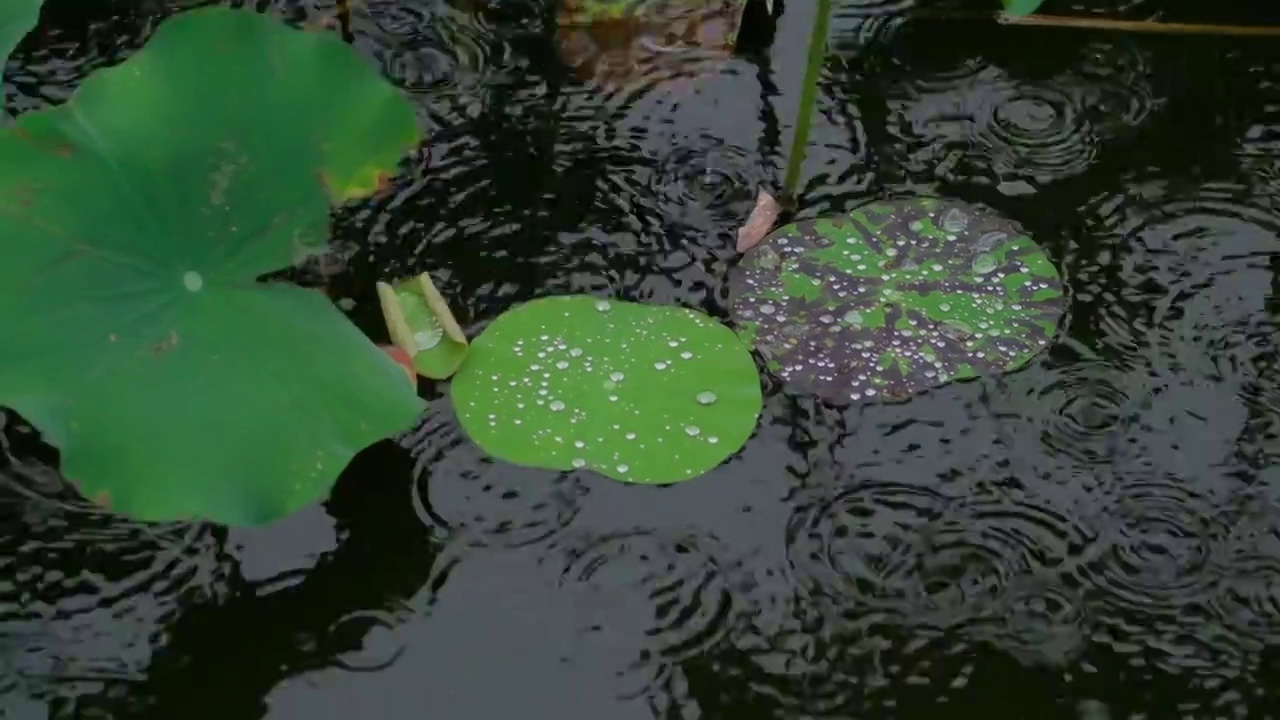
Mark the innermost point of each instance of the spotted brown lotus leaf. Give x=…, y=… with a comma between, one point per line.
x=614, y=42
x=895, y=298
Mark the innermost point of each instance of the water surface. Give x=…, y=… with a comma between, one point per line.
x=1095, y=535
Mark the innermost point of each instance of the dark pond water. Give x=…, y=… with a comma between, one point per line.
x=1097, y=535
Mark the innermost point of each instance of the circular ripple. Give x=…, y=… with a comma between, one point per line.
x=1163, y=263
x=862, y=548
x=968, y=119
x=426, y=46
x=987, y=545
x=373, y=632
x=493, y=502
x=666, y=598
x=1249, y=600
x=1083, y=410
x=497, y=503
x=1158, y=552
x=1039, y=625
x=1112, y=82
x=84, y=595
x=1037, y=133
x=707, y=183
x=907, y=549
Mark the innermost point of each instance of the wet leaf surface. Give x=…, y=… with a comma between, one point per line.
x=135, y=331
x=638, y=393
x=897, y=297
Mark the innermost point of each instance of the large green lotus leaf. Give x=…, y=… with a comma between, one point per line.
x=134, y=221
x=638, y=393
x=17, y=17
x=896, y=298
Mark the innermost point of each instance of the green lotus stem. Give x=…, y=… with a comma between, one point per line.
x=808, y=96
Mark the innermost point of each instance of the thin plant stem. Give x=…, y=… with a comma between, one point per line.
x=1139, y=26
x=1089, y=23
x=808, y=97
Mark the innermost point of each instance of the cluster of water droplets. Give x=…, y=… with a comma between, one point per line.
x=897, y=275
x=665, y=592
x=606, y=408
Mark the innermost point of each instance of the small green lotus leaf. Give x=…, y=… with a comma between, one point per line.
x=17, y=17
x=895, y=298
x=135, y=220
x=1022, y=7
x=638, y=393
x=421, y=324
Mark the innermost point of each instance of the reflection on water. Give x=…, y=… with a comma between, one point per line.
x=1096, y=534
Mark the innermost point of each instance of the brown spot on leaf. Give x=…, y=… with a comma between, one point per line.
x=60, y=148
x=103, y=499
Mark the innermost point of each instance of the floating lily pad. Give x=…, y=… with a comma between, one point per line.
x=895, y=298
x=17, y=17
x=421, y=325
x=136, y=218
x=638, y=393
